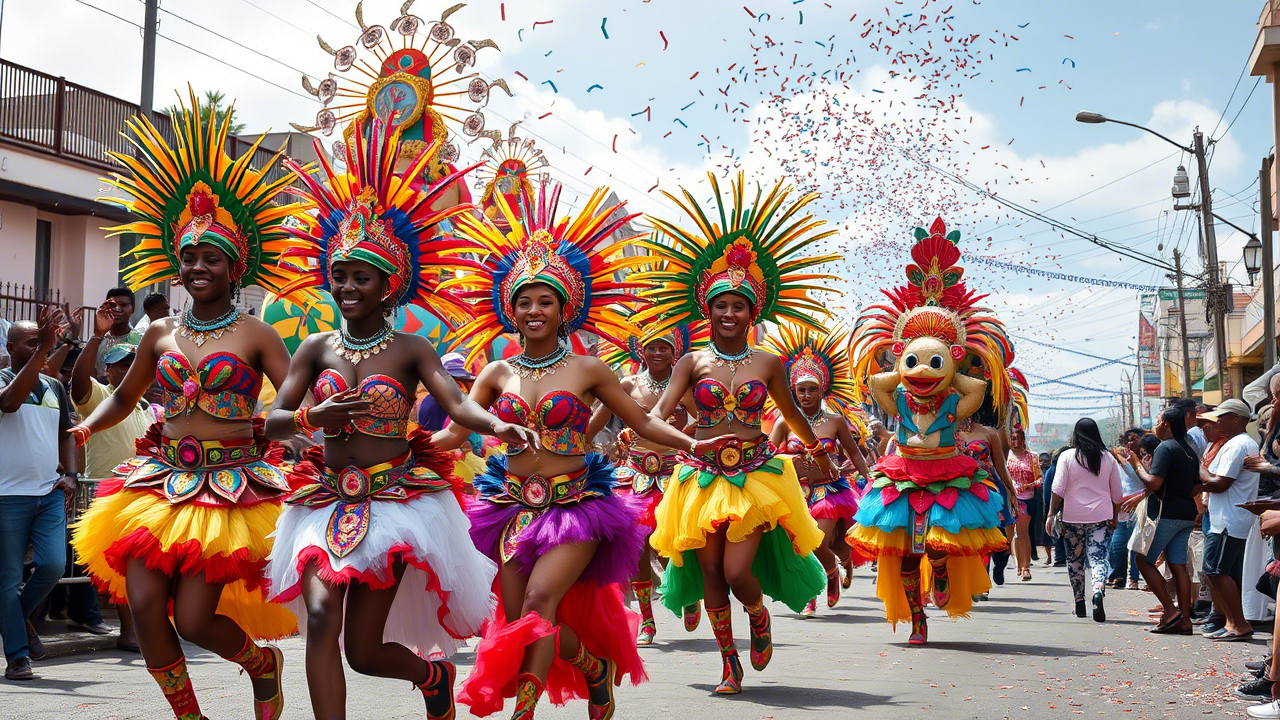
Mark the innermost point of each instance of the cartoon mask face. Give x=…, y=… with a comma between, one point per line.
x=926, y=367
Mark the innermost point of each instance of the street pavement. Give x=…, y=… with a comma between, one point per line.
x=1021, y=655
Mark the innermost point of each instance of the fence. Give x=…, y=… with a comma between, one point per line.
x=23, y=302
x=51, y=115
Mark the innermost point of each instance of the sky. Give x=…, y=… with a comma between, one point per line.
x=877, y=106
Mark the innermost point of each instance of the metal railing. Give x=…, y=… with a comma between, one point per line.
x=49, y=114
x=23, y=302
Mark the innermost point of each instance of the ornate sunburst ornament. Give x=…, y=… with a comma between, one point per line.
x=417, y=78
x=511, y=168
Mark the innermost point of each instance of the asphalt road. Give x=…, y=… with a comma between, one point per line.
x=1021, y=655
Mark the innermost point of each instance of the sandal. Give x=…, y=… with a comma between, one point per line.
x=1026, y=575
x=1234, y=637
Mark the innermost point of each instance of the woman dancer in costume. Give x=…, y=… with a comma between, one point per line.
x=978, y=438
x=648, y=465
x=184, y=527
x=372, y=547
x=818, y=371
x=929, y=499
x=733, y=515
x=548, y=513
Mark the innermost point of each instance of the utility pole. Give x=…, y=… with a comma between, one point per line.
x=1182, y=321
x=1214, y=291
x=1268, y=267
x=149, y=22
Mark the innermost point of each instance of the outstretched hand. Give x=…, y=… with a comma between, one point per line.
x=515, y=435
x=339, y=409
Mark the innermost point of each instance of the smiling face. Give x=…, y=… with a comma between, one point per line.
x=808, y=396
x=537, y=311
x=926, y=367
x=658, y=356
x=205, y=271
x=358, y=288
x=730, y=316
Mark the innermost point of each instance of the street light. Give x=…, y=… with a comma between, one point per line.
x=1093, y=118
x=1253, y=257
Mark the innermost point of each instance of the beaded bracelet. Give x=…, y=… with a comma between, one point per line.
x=300, y=421
x=816, y=450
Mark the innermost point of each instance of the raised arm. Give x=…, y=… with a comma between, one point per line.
x=82, y=373
x=462, y=410
x=681, y=379
x=47, y=331
x=972, y=391
x=650, y=426
x=882, y=386
x=484, y=392
x=780, y=391
x=141, y=374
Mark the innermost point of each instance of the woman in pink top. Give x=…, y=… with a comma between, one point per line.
x=1087, y=489
x=1024, y=470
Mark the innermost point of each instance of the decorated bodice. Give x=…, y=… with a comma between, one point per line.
x=794, y=446
x=944, y=422
x=560, y=419
x=222, y=385
x=715, y=402
x=979, y=449
x=389, y=404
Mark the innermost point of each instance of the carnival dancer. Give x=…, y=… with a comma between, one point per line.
x=372, y=547
x=648, y=466
x=184, y=528
x=928, y=498
x=548, y=513
x=817, y=366
x=733, y=515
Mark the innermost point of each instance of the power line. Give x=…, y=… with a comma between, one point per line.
x=198, y=52
x=234, y=42
x=1242, y=106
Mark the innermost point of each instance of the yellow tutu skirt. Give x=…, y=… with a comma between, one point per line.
x=698, y=502
x=227, y=544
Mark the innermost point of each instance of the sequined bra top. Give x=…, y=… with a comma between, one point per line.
x=794, y=446
x=714, y=402
x=222, y=385
x=389, y=404
x=980, y=450
x=560, y=419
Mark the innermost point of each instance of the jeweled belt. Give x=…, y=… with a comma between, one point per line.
x=190, y=453
x=650, y=462
x=181, y=469
x=536, y=493
x=354, y=489
x=730, y=457
x=917, y=453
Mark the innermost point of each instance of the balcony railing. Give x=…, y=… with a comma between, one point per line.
x=51, y=115
x=1270, y=13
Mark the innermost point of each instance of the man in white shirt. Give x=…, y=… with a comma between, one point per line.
x=1229, y=484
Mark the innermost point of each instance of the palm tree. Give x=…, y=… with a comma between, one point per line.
x=213, y=103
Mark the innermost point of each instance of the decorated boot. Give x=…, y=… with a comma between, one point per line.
x=176, y=685
x=847, y=582
x=528, y=690
x=263, y=663
x=919, y=623
x=692, y=616
x=833, y=586
x=761, y=635
x=810, y=609
x=722, y=625
x=941, y=583
x=644, y=596
x=599, y=674
x=437, y=690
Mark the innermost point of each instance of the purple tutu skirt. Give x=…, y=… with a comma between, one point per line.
x=834, y=500
x=598, y=516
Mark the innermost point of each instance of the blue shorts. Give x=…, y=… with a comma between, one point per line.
x=1171, y=541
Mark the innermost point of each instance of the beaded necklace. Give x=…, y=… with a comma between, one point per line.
x=357, y=350
x=655, y=386
x=525, y=366
x=199, y=331
x=734, y=361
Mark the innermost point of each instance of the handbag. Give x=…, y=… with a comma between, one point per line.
x=1144, y=528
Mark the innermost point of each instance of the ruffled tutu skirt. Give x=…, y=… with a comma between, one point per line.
x=913, y=506
x=835, y=500
x=186, y=508
x=410, y=514
x=517, y=520
x=703, y=496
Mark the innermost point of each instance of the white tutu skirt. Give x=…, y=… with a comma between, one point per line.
x=446, y=593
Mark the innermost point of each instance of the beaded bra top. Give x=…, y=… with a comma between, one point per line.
x=222, y=385
x=714, y=402
x=560, y=418
x=388, y=414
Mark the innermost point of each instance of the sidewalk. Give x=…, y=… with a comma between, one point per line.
x=59, y=641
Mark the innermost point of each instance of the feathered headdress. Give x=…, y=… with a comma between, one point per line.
x=195, y=193
x=512, y=167
x=372, y=213
x=934, y=303
x=820, y=357
x=571, y=254
x=754, y=250
x=422, y=84
x=629, y=358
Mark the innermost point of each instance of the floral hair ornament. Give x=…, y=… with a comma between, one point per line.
x=934, y=303
x=193, y=193
x=630, y=357
x=754, y=250
x=374, y=214
x=579, y=257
